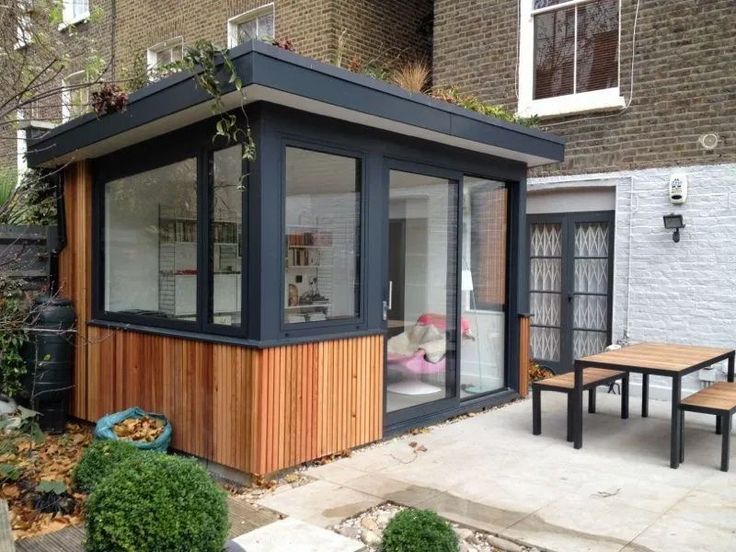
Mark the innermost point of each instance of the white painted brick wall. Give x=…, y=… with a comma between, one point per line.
x=678, y=292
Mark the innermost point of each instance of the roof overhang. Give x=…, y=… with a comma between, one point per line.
x=274, y=75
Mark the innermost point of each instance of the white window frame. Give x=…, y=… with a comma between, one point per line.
x=594, y=100
x=23, y=30
x=68, y=17
x=153, y=52
x=66, y=98
x=233, y=22
x=21, y=147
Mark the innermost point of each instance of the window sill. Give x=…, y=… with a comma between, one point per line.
x=226, y=339
x=573, y=104
x=84, y=18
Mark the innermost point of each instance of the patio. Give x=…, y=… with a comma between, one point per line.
x=489, y=472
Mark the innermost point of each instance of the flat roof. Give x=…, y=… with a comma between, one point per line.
x=274, y=75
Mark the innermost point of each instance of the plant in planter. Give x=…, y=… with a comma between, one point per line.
x=414, y=530
x=155, y=502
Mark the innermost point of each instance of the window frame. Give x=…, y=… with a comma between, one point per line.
x=201, y=327
x=292, y=329
x=24, y=37
x=66, y=92
x=594, y=100
x=254, y=14
x=153, y=52
x=68, y=17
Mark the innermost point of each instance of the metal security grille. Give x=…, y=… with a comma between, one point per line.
x=590, y=298
x=570, y=277
x=545, y=285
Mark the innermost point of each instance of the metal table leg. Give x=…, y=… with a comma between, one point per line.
x=675, y=422
x=731, y=366
x=644, y=395
x=577, y=396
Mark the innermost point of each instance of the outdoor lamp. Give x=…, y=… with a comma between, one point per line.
x=674, y=222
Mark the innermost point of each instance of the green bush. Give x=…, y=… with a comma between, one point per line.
x=98, y=462
x=419, y=531
x=154, y=502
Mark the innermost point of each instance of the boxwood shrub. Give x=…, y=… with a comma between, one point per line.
x=154, y=502
x=414, y=530
x=98, y=461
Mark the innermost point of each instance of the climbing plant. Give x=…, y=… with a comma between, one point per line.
x=214, y=72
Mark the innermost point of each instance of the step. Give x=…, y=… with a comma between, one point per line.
x=294, y=535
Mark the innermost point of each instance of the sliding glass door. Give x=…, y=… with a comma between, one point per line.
x=422, y=292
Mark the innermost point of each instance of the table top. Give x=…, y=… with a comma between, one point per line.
x=658, y=358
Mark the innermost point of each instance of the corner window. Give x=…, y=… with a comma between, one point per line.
x=165, y=53
x=569, y=56
x=74, y=11
x=256, y=24
x=150, y=243
x=322, y=232
x=74, y=96
x=226, y=237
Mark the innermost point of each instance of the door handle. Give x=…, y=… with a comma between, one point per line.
x=390, y=295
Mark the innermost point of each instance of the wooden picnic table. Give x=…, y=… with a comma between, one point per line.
x=659, y=359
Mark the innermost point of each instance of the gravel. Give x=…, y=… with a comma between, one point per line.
x=368, y=527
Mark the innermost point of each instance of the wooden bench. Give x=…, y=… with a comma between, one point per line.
x=565, y=383
x=718, y=399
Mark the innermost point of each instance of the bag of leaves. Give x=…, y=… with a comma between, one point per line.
x=142, y=429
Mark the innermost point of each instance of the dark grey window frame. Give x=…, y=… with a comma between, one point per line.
x=567, y=221
x=141, y=158
x=346, y=324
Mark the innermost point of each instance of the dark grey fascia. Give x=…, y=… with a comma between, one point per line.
x=276, y=75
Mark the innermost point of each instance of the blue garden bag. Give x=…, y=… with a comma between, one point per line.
x=104, y=429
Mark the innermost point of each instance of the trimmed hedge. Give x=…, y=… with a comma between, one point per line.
x=154, y=502
x=414, y=530
x=98, y=461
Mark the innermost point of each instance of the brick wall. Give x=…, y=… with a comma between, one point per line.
x=371, y=29
x=684, y=80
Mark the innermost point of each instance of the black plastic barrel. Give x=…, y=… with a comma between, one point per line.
x=49, y=357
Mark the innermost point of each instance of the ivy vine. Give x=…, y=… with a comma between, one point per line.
x=208, y=62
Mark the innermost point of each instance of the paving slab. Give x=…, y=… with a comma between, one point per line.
x=320, y=503
x=672, y=534
x=295, y=536
x=488, y=471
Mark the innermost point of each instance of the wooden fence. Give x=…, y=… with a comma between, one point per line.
x=25, y=255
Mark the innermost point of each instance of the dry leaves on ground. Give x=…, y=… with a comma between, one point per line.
x=32, y=463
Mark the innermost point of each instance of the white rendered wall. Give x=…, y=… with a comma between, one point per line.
x=675, y=292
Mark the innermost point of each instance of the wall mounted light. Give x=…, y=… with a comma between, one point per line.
x=674, y=222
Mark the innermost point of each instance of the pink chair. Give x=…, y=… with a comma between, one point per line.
x=414, y=366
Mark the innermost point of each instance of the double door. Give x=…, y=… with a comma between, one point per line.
x=570, y=286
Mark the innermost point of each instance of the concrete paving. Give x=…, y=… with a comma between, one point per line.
x=293, y=535
x=489, y=472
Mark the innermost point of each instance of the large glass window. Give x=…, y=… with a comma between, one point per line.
x=226, y=236
x=322, y=276
x=422, y=288
x=150, y=241
x=483, y=285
